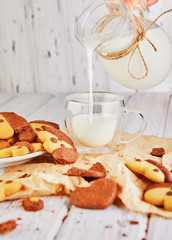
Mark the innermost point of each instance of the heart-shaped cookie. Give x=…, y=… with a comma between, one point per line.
x=101, y=194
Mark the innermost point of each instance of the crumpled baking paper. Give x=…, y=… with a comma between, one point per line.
x=41, y=177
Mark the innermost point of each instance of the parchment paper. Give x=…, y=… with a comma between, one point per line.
x=45, y=178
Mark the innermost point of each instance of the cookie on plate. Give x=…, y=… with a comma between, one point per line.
x=58, y=144
x=8, y=142
x=30, y=133
x=11, y=123
x=20, y=149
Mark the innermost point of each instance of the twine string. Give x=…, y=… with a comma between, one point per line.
x=135, y=44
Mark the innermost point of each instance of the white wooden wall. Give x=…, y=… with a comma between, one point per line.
x=39, y=52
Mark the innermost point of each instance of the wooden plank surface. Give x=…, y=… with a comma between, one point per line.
x=25, y=104
x=156, y=108
x=35, y=225
x=39, y=51
x=112, y=223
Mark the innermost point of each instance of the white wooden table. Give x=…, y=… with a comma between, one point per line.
x=112, y=223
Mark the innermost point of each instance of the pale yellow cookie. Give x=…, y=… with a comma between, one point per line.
x=7, y=142
x=9, y=187
x=147, y=169
x=20, y=149
x=51, y=142
x=56, y=143
x=6, y=131
x=159, y=195
x=37, y=146
x=168, y=201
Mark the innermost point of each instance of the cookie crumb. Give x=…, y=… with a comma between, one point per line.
x=133, y=222
x=8, y=226
x=32, y=204
x=108, y=226
x=124, y=235
x=158, y=152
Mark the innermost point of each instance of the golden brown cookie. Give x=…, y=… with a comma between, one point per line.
x=101, y=194
x=9, y=187
x=32, y=204
x=159, y=195
x=8, y=226
x=58, y=144
x=28, y=135
x=96, y=171
x=74, y=171
x=150, y=169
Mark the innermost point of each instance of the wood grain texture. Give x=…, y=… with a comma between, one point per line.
x=25, y=104
x=39, y=51
x=111, y=223
x=159, y=228
x=43, y=224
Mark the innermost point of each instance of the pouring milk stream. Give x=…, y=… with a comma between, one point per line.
x=93, y=130
x=117, y=35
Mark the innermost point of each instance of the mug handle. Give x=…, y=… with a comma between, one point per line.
x=143, y=123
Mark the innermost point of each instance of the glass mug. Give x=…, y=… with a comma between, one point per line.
x=98, y=131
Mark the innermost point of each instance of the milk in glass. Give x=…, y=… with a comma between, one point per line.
x=95, y=133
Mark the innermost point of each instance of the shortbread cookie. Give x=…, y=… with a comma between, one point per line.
x=58, y=144
x=150, y=169
x=9, y=187
x=96, y=171
x=20, y=149
x=101, y=194
x=32, y=204
x=158, y=152
x=8, y=142
x=42, y=123
x=8, y=226
x=37, y=146
x=30, y=135
x=159, y=195
x=11, y=123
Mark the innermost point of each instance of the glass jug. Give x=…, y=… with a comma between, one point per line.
x=135, y=53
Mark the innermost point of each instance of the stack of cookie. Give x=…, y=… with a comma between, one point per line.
x=11, y=125
x=18, y=137
x=159, y=191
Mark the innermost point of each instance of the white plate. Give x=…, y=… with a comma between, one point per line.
x=6, y=162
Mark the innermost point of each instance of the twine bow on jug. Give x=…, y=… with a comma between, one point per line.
x=141, y=31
